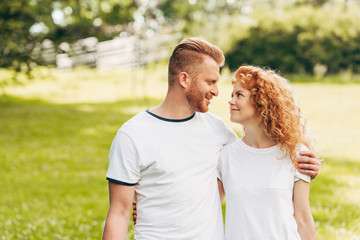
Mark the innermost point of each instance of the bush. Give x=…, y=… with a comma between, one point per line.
x=296, y=40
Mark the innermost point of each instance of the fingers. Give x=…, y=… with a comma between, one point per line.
x=308, y=163
x=309, y=166
x=308, y=160
x=134, y=214
x=311, y=173
x=308, y=154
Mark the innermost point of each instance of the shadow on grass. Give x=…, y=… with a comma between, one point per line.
x=53, y=161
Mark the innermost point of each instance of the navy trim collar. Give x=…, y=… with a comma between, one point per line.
x=170, y=120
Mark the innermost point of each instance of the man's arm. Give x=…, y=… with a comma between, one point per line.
x=221, y=190
x=118, y=217
x=308, y=163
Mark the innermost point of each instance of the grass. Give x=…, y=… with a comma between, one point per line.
x=55, y=135
x=53, y=161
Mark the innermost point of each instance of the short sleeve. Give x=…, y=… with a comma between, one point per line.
x=219, y=169
x=123, y=161
x=299, y=175
x=230, y=135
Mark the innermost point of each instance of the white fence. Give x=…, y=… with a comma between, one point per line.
x=121, y=53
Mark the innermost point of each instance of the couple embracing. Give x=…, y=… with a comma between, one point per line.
x=177, y=161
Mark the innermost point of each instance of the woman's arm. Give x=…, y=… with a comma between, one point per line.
x=302, y=213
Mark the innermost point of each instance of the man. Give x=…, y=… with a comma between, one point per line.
x=167, y=156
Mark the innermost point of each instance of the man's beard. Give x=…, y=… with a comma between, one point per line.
x=196, y=99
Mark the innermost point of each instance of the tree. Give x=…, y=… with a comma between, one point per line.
x=16, y=42
x=25, y=24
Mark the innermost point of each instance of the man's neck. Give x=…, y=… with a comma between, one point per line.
x=175, y=106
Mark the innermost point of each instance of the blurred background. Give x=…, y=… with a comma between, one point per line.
x=73, y=71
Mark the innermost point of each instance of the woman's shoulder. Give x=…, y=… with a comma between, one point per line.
x=301, y=147
x=232, y=145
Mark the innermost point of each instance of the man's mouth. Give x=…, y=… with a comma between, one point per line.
x=208, y=100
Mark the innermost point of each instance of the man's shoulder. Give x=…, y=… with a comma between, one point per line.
x=218, y=128
x=137, y=122
x=208, y=116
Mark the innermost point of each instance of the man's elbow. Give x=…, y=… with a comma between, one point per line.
x=122, y=214
x=116, y=225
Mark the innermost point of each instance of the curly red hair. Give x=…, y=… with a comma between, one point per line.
x=281, y=118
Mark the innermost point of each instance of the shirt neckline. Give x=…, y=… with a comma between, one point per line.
x=170, y=120
x=258, y=150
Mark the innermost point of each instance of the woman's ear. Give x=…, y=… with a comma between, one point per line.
x=184, y=79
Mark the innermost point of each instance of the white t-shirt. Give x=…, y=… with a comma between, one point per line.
x=173, y=164
x=258, y=185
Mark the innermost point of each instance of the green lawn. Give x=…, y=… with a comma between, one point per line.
x=55, y=135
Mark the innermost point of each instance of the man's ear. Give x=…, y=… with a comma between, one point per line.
x=184, y=79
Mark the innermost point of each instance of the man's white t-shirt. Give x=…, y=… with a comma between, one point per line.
x=173, y=165
x=258, y=185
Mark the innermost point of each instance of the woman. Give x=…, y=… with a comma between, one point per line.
x=266, y=197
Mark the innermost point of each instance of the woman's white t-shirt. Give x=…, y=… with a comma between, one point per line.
x=258, y=185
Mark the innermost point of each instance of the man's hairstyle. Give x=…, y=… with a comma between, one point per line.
x=188, y=54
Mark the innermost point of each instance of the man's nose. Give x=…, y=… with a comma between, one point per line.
x=215, y=91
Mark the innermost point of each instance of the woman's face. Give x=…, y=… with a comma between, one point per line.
x=242, y=110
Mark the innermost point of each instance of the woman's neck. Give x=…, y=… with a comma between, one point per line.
x=255, y=137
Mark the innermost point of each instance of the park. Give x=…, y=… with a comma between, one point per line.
x=56, y=125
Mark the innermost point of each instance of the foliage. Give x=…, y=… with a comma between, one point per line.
x=102, y=19
x=298, y=39
x=292, y=37
x=25, y=24
x=16, y=44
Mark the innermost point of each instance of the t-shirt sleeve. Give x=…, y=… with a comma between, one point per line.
x=230, y=135
x=219, y=173
x=123, y=161
x=299, y=175
x=220, y=168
